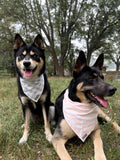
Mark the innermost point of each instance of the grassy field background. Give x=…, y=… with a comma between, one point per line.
x=37, y=147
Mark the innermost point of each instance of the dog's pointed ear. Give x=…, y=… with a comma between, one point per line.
x=80, y=63
x=39, y=42
x=99, y=62
x=18, y=42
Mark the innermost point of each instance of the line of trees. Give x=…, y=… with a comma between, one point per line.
x=60, y=22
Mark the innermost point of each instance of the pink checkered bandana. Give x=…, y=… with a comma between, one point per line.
x=81, y=117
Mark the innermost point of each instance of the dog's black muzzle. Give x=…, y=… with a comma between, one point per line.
x=111, y=90
x=103, y=89
x=27, y=64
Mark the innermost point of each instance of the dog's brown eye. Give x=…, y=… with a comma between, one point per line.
x=35, y=56
x=21, y=56
x=93, y=76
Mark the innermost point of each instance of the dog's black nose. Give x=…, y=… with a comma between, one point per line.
x=26, y=63
x=112, y=90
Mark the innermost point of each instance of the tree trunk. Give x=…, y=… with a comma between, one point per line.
x=58, y=69
x=89, y=53
x=88, y=57
x=117, y=66
x=61, y=71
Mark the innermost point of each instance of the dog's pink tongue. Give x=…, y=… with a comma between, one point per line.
x=27, y=73
x=102, y=101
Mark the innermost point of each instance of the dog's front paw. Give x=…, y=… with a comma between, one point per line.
x=48, y=136
x=116, y=126
x=23, y=140
x=101, y=157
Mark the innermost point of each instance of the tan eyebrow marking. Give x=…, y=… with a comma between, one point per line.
x=24, y=53
x=95, y=74
x=32, y=53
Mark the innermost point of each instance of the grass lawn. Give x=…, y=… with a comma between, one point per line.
x=37, y=147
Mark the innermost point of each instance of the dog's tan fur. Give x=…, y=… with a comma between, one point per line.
x=64, y=132
x=59, y=141
x=34, y=56
x=26, y=126
x=98, y=144
x=28, y=117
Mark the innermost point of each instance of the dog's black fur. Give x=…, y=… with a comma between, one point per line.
x=93, y=82
x=87, y=86
x=31, y=59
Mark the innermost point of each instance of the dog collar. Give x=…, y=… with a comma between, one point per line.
x=81, y=117
x=33, y=88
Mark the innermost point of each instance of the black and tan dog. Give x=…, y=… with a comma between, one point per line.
x=77, y=107
x=33, y=87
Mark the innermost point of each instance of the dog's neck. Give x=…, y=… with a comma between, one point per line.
x=33, y=88
x=81, y=117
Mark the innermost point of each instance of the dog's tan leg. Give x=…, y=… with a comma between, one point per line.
x=98, y=145
x=59, y=145
x=108, y=119
x=26, y=126
x=60, y=137
x=47, y=125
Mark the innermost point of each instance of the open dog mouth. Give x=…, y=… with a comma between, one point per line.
x=100, y=101
x=29, y=72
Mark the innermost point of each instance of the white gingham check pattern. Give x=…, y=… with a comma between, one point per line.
x=81, y=117
x=33, y=88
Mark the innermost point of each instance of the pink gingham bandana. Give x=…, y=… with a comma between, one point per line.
x=81, y=117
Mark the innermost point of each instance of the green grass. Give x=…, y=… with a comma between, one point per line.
x=37, y=147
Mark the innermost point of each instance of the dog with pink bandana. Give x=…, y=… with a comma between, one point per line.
x=78, y=106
